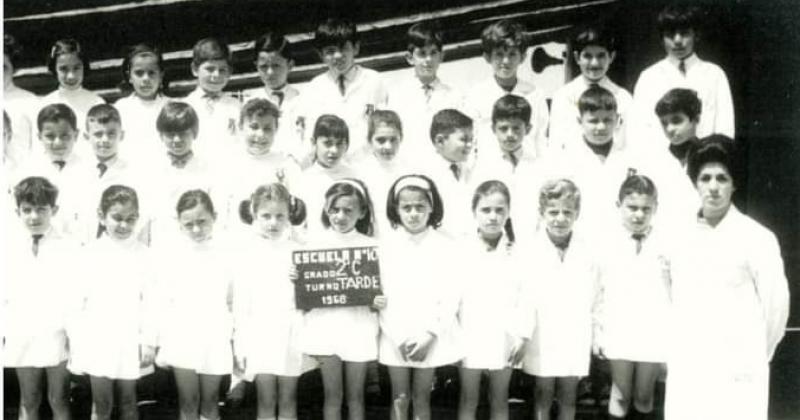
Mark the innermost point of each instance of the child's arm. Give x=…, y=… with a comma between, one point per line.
x=148, y=327
x=766, y=269
x=723, y=117
x=598, y=308
x=539, y=120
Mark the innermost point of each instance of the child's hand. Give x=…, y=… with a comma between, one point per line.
x=379, y=303
x=147, y=355
x=518, y=349
x=598, y=351
x=293, y=275
x=417, y=349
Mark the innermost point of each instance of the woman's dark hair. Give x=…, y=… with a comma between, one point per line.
x=716, y=148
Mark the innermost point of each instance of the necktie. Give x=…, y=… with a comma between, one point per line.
x=211, y=99
x=59, y=164
x=340, y=80
x=638, y=237
x=278, y=95
x=180, y=161
x=428, y=91
x=513, y=159
x=682, y=67
x=456, y=171
x=102, y=168
x=35, y=247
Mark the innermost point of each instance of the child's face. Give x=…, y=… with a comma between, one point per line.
x=510, y=133
x=104, y=138
x=505, y=61
x=120, y=220
x=637, y=211
x=559, y=216
x=339, y=58
x=491, y=213
x=146, y=75
x=680, y=43
x=36, y=217
x=258, y=132
x=271, y=218
x=385, y=142
x=178, y=143
x=426, y=61
x=8, y=71
x=69, y=71
x=345, y=212
x=329, y=150
x=212, y=75
x=414, y=210
x=598, y=126
x=197, y=223
x=594, y=62
x=58, y=138
x=678, y=127
x=273, y=69
x=456, y=146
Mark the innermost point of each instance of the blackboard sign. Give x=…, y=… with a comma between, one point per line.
x=336, y=277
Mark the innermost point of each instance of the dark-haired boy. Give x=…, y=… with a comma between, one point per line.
x=679, y=27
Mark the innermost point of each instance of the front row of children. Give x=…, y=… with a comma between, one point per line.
x=209, y=312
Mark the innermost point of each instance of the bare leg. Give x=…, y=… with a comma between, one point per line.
x=102, y=397
x=188, y=383
x=543, y=397
x=566, y=394
x=332, y=381
x=128, y=409
x=287, y=397
x=355, y=377
x=401, y=388
x=498, y=393
x=209, y=396
x=30, y=392
x=645, y=385
x=621, y=387
x=58, y=391
x=421, y=392
x=470, y=393
x=267, y=391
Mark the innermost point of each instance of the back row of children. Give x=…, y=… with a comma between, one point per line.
x=335, y=181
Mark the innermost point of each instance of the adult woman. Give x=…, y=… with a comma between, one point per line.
x=730, y=300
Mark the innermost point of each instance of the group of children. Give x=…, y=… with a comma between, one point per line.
x=173, y=222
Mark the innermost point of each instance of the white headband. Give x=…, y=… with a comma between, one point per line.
x=353, y=183
x=413, y=181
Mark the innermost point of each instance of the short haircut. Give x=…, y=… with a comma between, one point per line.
x=67, y=46
x=593, y=35
x=680, y=100
x=487, y=188
x=329, y=125
x=275, y=192
x=258, y=107
x=208, y=49
x=511, y=107
x=134, y=51
x=276, y=42
x=596, y=98
x=446, y=121
x=423, y=34
x=11, y=49
x=559, y=189
x=193, y=198
x=421, y=184
x=350, y=187
x=716, y=148
x=103, y=114
x=505, y=33
x=36, y=190
x=176, y=117
x=676, y=17
x=383, y=116
x=637, y=184
x=335, y=32
x=54, y=113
